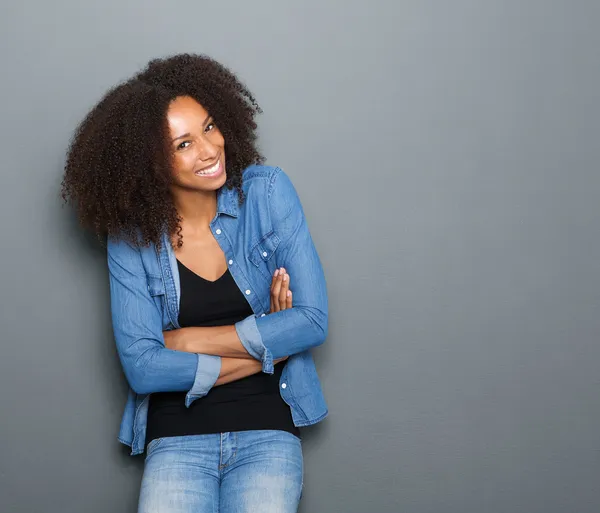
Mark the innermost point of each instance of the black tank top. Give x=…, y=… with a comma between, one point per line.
x=250, y=403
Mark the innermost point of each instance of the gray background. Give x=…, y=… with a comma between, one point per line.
x=447, y=156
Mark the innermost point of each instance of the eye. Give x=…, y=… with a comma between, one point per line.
x=183, y=145
x=211, y=126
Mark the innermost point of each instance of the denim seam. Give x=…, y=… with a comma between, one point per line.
x=313, y=421
x=233, y=456
x=135, y=440
x=154, y=444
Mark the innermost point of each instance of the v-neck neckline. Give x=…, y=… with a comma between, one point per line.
x=202, y=277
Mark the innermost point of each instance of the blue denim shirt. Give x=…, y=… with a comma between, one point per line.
x=266, y=232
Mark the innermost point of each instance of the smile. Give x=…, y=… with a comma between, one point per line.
x=213, y=170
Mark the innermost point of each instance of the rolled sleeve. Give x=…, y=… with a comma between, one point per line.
x=251, y=339
x=207, y=373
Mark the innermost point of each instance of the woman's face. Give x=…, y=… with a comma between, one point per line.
x=197, y=146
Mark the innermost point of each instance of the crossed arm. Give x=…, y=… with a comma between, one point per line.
x=157, y=361
x=223, y=341
x=196, y=359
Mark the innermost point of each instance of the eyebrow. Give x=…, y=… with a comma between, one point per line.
x=188, y=134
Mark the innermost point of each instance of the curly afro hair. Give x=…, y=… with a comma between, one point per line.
x=118, y=169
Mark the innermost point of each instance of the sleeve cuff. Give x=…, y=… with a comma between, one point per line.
x=207, y=373
x=249, y=335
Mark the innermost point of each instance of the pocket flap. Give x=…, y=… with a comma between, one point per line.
x=264, y=249
x=156, y=286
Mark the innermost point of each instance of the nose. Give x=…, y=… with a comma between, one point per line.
x=207, y=151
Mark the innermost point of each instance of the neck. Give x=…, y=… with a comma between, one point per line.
x=197, y=208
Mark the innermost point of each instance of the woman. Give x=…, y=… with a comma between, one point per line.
x=202, y=241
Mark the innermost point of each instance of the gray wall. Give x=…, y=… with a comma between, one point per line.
x=447, y=156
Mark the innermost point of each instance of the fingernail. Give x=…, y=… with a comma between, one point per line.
x=277, y=272
x=285, y=277
x=289, y=293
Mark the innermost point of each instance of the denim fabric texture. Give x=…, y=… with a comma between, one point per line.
x=239, y=472
x=266, y=232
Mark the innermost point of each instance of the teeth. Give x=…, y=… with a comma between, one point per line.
x=210, y=170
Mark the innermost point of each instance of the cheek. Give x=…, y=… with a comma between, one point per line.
x=183, y=162
x=218, y=139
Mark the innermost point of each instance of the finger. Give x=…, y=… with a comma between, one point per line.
x=274, y=305
x=283, y=296
x=285, y=286
x=277, y=275
x=288, y=301
x=274, y=279
x=275, y=292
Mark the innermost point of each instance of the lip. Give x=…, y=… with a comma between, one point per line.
x=218, y=169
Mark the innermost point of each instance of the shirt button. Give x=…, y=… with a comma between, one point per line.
x=231, y=262
x=284, y=385
x=218, y=232
x=262, y=315
x=248, y=292
x=265, y=254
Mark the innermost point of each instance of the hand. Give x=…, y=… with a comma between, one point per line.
x=281, y=295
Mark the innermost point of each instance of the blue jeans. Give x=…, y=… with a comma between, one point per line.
x=238, y=472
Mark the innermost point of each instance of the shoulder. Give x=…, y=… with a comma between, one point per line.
x=124, y=253
x=270, y=185
x=259, y=173
x=258, y=179
x=117, y=246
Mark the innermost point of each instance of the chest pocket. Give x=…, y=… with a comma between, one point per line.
x=262, y=254
x=156, y=288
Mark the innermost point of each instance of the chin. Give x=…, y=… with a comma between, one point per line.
x=208, y=185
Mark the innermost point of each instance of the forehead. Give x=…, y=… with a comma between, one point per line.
x=185, y=112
